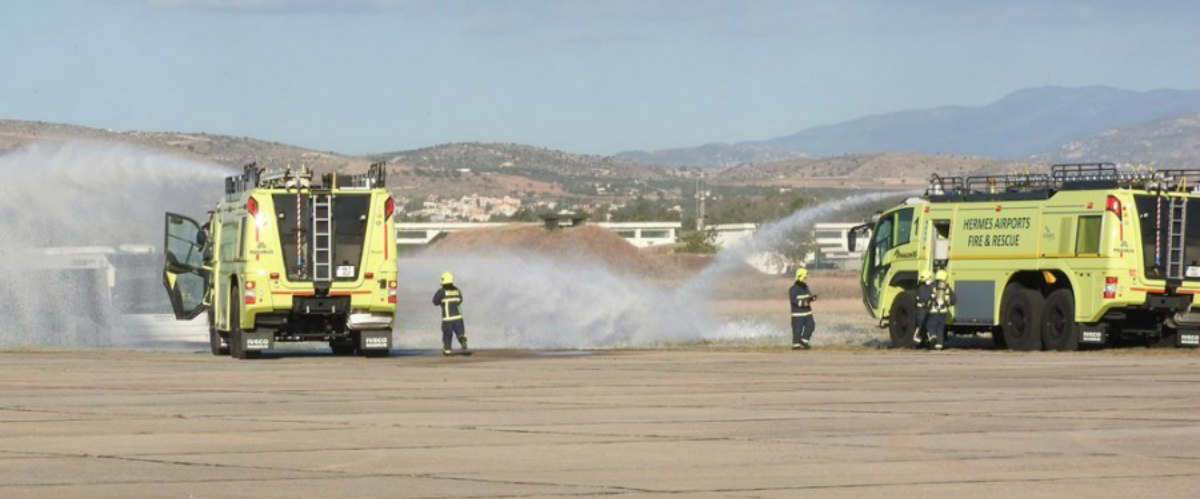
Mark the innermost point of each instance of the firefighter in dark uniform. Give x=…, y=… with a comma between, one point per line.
x=924, y=291
x=450, y=299
x=801, y=299
x=936, y=300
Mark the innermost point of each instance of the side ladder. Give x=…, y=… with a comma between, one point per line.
x=1176, y=236
x=322, y=234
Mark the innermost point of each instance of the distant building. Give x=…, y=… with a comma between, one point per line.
x=639, y=234
x=423, y=233
x=832, y=246
x=645, y=234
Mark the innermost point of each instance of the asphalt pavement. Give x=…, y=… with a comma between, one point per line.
x=640, y=423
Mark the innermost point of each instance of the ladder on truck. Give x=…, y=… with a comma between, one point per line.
x=1176, y=236
x=322, y=237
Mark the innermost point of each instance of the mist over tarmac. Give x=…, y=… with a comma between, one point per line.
x=516, y=299
x=57, y=194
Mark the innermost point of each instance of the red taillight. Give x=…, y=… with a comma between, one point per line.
x=1110, y=288
x=369, y=275
x=249, y=295
x=391, y=291
x=274, y=275
x=389, y=207
x=252, y=206
x=1114, y=205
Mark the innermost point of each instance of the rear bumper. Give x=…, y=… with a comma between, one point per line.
x=369, y=320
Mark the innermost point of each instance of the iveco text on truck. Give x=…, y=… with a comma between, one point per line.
x=283, y=258
x=1085, y=255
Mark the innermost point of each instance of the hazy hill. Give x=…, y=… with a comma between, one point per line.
x=884, y=169
x=1020, y=125
x=523, y=159
x=1170, y=142
x=713, y=155
x=234, y=151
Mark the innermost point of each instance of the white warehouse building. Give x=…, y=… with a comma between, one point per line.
x=645, y=234
x=639, y=234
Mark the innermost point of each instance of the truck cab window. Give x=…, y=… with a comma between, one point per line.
x=903, y=227
x=883, y=239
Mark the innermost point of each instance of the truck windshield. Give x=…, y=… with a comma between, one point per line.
x=350, y=214
x=1153, y=214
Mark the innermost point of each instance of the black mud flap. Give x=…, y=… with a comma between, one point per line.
x=258, y=341
x=375, y=340
x=1093, y=334
x=1187, y=339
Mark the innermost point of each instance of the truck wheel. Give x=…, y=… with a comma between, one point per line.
x=237, y=342
x=1021, y=318
x=214, y=343
x=342, y=347
x=903, y=319
x=998, y=338
x=1059, y=331
x=214, y=337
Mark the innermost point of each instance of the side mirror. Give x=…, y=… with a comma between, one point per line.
x=852, y=236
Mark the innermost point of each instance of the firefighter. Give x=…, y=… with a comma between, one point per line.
x=939, y=298
x=924, y=292
x=801, y=299
x=450, y=299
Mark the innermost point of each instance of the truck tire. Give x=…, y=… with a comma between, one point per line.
x=342, y=347
x=237, y=342
x=214, y=337
x=1021, y=318
x=902, y=319
x=998, y=338
x=1059, y=331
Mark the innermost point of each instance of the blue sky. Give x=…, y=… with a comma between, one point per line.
x=358, y=76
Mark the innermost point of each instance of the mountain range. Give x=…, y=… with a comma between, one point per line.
x=1024, y=131
x=1021, y=125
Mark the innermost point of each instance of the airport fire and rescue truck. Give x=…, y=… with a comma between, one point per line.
x=283, y=258
x=1088, y=254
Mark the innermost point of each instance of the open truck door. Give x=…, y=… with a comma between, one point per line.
x=184, y=275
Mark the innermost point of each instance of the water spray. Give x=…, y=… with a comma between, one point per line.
x=519, y=299
x=93, y=198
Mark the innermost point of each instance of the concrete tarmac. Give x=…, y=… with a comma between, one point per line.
x=655, y=423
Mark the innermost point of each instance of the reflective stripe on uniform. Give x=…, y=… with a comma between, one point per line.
x=448, y=319
x=801, y=314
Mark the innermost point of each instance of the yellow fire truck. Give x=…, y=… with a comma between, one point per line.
x=283, y=258
x=1088, y=254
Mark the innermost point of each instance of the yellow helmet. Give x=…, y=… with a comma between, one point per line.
x=801, y=273
x=940, y=275
x=924, y=276
x=447, y=277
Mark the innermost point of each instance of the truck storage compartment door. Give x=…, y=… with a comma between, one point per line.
x=976, y=302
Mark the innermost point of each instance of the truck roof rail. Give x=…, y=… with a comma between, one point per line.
x=375, y=177
x=288, y=177
x=1009, y=186
x=1063, y=176
x=944, y=186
